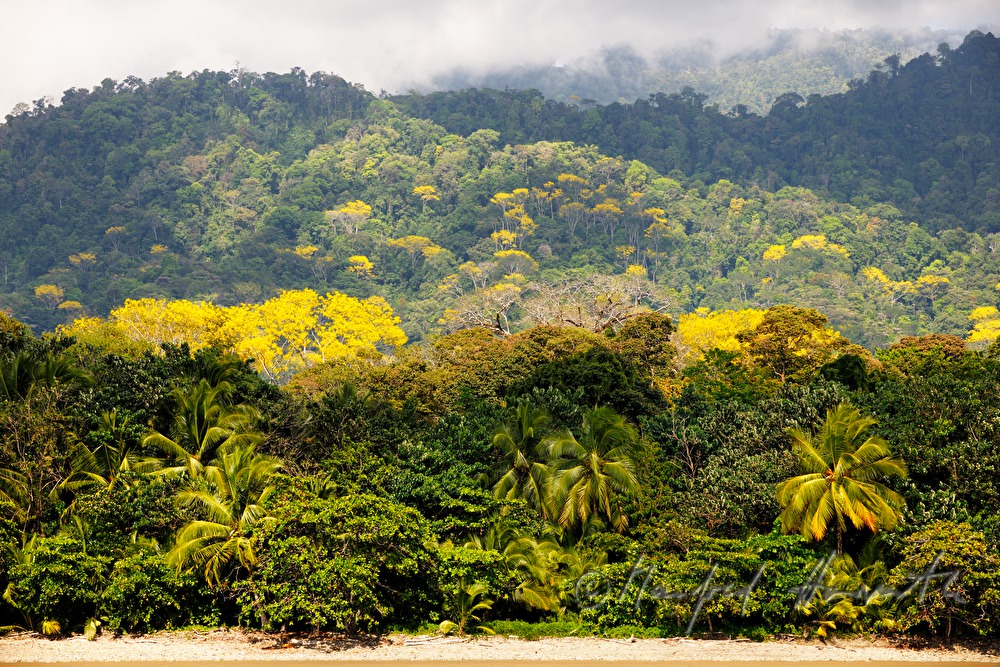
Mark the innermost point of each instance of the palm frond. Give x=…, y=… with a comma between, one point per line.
x=842, y=483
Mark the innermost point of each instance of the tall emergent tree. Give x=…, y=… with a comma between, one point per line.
x=843, y=469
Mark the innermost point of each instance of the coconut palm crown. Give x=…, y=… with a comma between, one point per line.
x=593, y=476
x=232, y=503
x=842, y=481
x=522, y=472
x=205, y=426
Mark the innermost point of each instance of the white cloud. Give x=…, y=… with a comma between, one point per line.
x=47, y=47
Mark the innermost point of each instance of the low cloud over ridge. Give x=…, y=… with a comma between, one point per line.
x=48, y=47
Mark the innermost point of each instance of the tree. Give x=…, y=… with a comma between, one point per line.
x=470, y=600
x=842, y=479
x=647, y=340
x=352, y=215
x=204, y=427
x=986, y=326
x=360, y=266
x=158, y=321
x=489, y=307
x=294, y=330
x=704, y=330
x=50, y=295
x=523, y=474
x=28, y=372
x=416, y=246
x=593, y=476
x=114, y=453
x=595, y=302
x=791, y=340
x=13, y=490
x=299, y=328
x=233, y=501
x=55, y=584
x=427, y=194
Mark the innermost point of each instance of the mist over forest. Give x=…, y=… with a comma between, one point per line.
x=803, y=61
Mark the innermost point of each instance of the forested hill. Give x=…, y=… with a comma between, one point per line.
x=924, y=136
x=507, y=210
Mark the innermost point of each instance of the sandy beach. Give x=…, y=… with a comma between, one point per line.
x=236, y=646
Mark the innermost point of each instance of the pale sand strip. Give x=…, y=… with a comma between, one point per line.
x=238, y=647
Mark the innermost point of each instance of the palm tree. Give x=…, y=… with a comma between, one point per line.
x=216, y=368
x=17, y=376
x=523, y=473
x=469, y=601
x=232, y=501
x=14, y=489
x=593, y=476
x=101, y=466
x=23, y=375
x=841, y=480
x=204, y=427
x=528, y=560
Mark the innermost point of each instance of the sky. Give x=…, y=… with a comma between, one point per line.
x=49, y=46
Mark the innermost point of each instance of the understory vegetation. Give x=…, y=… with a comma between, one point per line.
x=777, y=479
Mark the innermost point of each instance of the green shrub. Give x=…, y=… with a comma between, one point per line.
x=352, y=563
x=541, y=630
x=145, y=594
x=57, y=580
x=299, y=586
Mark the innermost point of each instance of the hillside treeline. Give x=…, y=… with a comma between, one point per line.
x=919, y=135
x=230, y=187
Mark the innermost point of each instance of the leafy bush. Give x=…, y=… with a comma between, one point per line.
x=145, y=594
x=541, y=630
x=457, y=566
x=716, y=584
x=351, y=563
x=298, y=585
x=58, y=581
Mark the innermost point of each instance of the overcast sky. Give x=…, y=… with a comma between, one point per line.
x=48, y=46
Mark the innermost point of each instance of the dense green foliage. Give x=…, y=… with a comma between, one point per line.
x=458, y=484
x=551, y=447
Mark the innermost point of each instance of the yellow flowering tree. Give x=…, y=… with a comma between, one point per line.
x=360, y=266
x=705, y=330
x=931, y=286
x=882, y=285
x=427, y=194
x=351, y=216
x=50, y=295
x=985, y=326
x=286, y=334
x=416, y=247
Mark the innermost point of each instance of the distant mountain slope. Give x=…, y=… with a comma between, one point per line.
x=923, y=136
x=233, y=186
x=808, y=62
